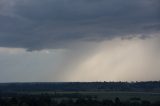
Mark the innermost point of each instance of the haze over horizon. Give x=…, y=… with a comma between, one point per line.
x=79, y=40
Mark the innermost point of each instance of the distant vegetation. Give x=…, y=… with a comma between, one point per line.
x=51, y=100
x=153, y=86
x=81, y=94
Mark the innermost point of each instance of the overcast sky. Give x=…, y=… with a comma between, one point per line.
x=79, y=40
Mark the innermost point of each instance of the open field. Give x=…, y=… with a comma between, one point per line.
x=86, y=98
x=125, y=95
x=125, y=91
x=101, y=95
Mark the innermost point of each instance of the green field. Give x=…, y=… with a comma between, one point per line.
x=101, y=95
x=122, y=95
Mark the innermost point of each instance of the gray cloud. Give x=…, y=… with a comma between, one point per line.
x=114, y=60
x=39, y=24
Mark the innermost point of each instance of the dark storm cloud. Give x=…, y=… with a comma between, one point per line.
x=42, y=24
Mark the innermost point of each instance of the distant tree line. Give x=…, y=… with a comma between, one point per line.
x=81, y=86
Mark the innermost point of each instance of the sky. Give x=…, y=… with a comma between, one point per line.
x=79, y=40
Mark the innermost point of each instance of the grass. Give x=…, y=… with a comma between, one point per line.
x=101, y=95
x=122, y=95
